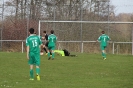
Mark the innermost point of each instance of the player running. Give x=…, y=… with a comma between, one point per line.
x=103, y=39
x=51, y=44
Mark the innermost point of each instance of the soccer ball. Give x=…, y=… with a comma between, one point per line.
x=41, y=53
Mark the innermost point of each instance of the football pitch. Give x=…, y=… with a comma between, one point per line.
x=83, y=71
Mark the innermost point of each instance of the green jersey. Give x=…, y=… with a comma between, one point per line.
x=34, y=43
x=104, y=39
x=52, y=40
x=40, y=37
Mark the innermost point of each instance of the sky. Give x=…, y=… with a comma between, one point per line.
x=122, y=6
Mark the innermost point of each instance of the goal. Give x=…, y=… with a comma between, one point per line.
x=81, y=35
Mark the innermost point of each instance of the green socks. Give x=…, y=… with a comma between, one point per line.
x=52, y=55
x=48, y=54
x=104, y=55
x=38, y=71
x=31, y=73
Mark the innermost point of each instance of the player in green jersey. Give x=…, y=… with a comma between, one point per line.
x=33, y=44
x=103, y=39
x=51, y=44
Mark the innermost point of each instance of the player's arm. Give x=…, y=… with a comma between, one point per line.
x=108, y=39
x=98, y=40
x=56, y=40
x=43, y=38
x=27, y=48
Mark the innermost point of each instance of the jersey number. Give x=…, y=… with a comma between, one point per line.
x=104, y=39
x=34, y=43
x=52, y=39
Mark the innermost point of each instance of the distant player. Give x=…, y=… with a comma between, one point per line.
x=103, y=39
x=51, y=44
x=33, y=44
x=46, y=43
x=41, y=48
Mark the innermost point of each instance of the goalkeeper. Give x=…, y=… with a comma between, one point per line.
x=64, y=52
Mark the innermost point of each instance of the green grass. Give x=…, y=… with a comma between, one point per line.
x=83, y=71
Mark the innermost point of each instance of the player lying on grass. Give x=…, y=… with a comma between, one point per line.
x=64, y=52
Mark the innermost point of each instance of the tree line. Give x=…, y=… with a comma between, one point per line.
x=23, y=14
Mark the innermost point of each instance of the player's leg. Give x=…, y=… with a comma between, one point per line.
x=102, y=49
x=49, y=50
x=52, y=51
x=38, y=73
x=31, y=62
x=103, y=52
x=53, y=54
x=37, y=62
x=45, y=49
x=31, y=72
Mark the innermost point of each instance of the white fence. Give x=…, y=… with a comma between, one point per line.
x=114, y=45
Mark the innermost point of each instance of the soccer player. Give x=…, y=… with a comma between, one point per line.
x=103, y=39
x=33, y=44
x=41, y=48
x=51, y=44
x=46, y=44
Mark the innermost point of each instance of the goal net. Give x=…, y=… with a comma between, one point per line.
x=80, y=36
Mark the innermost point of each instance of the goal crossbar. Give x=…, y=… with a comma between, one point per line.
x=111, y=22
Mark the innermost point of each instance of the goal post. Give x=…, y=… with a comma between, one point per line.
x=85, y=22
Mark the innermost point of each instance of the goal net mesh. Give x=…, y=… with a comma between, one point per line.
x=84, y=31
